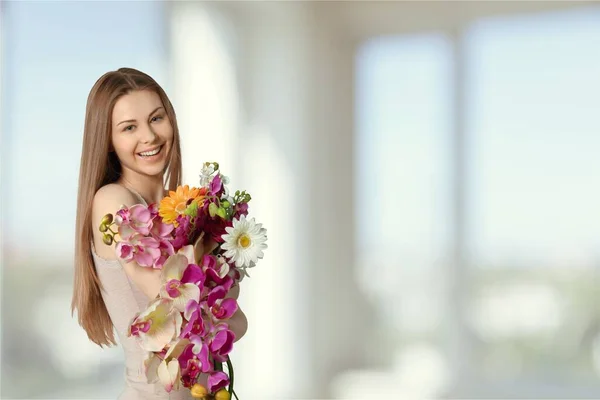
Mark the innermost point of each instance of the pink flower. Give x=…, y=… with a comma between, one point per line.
x=122, y=216
x=161, y=230
x=125, y=251
x=136, y=218
x=240, y=209
x=217, y=380
x=153, y=209
x=213, y=271
x=140, y=327
x=220, y=341
x=195, y=324
x=194, y=358
x=143, y=250
x=224, y=309
x=215, y=185
x=140, y=219
x=147, y=251
x=182, y=233
x=166, y=250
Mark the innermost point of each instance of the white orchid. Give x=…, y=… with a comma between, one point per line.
x=206, y=174
x=157, y=325
x=163, y=369
x=177, y=288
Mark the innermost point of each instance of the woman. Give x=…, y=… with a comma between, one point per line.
x=130, y=153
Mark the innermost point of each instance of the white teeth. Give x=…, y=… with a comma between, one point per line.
x=150, y=153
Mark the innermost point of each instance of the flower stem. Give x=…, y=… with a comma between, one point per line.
x=217, y=249
x=230, y=369
x=218, y=366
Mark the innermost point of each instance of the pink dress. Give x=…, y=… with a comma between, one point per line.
x=123, y=300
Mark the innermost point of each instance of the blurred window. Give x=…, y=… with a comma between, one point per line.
x=531, y=90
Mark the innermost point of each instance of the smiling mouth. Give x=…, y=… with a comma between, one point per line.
x=151, y=152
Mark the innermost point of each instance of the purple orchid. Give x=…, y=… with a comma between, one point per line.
x=217, y=380
x=220, y=341
x=220, y=307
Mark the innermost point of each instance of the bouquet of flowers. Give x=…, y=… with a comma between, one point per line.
x=185, y=328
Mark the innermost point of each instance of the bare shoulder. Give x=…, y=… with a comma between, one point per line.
x=107, y=200
x=111, y=194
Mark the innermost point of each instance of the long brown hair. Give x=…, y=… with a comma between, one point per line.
x=99, y=167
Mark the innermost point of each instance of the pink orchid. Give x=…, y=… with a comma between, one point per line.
x=195, y=324
x=166, y=250
x=220, y=341
x=194, y=359
x=141, y=219
x=213, y=270
x=161, y=230
x=147, y=251
x=217, y=380
x=220, y=307
x=215, y=185
x=122, y=216
x=143, y=250
x=136, y=219
x=153, y=209
x=125, y=250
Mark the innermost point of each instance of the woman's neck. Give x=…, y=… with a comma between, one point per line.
x=151, y=188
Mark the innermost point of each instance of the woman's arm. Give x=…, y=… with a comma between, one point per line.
x=108, y=200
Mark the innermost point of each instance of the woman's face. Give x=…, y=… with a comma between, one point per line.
x=142, y=134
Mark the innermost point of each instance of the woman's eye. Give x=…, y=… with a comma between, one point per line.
x=156, y=118
x=129, y=128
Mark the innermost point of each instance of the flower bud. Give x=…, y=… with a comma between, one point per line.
x=225, y=204
x=198, y=391
x=222, y=394
x=103, y=228
x=212, y=209
x=107, y=239
x=107, y=219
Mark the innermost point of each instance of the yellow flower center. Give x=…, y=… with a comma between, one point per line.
x=244, y=241
x=180, y=207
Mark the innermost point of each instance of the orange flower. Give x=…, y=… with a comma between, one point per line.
x=176, y=202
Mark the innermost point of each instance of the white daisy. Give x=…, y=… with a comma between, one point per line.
x=244, y=242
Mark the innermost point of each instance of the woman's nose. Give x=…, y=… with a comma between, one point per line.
x=148, y=134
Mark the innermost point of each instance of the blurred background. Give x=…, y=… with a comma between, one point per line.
x=428, y=173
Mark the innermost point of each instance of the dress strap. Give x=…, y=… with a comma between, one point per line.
x=136, y=194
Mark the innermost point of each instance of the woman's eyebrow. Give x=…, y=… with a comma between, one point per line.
x=133, y=120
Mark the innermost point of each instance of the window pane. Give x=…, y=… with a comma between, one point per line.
x=534, y=225
x=401, y=153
